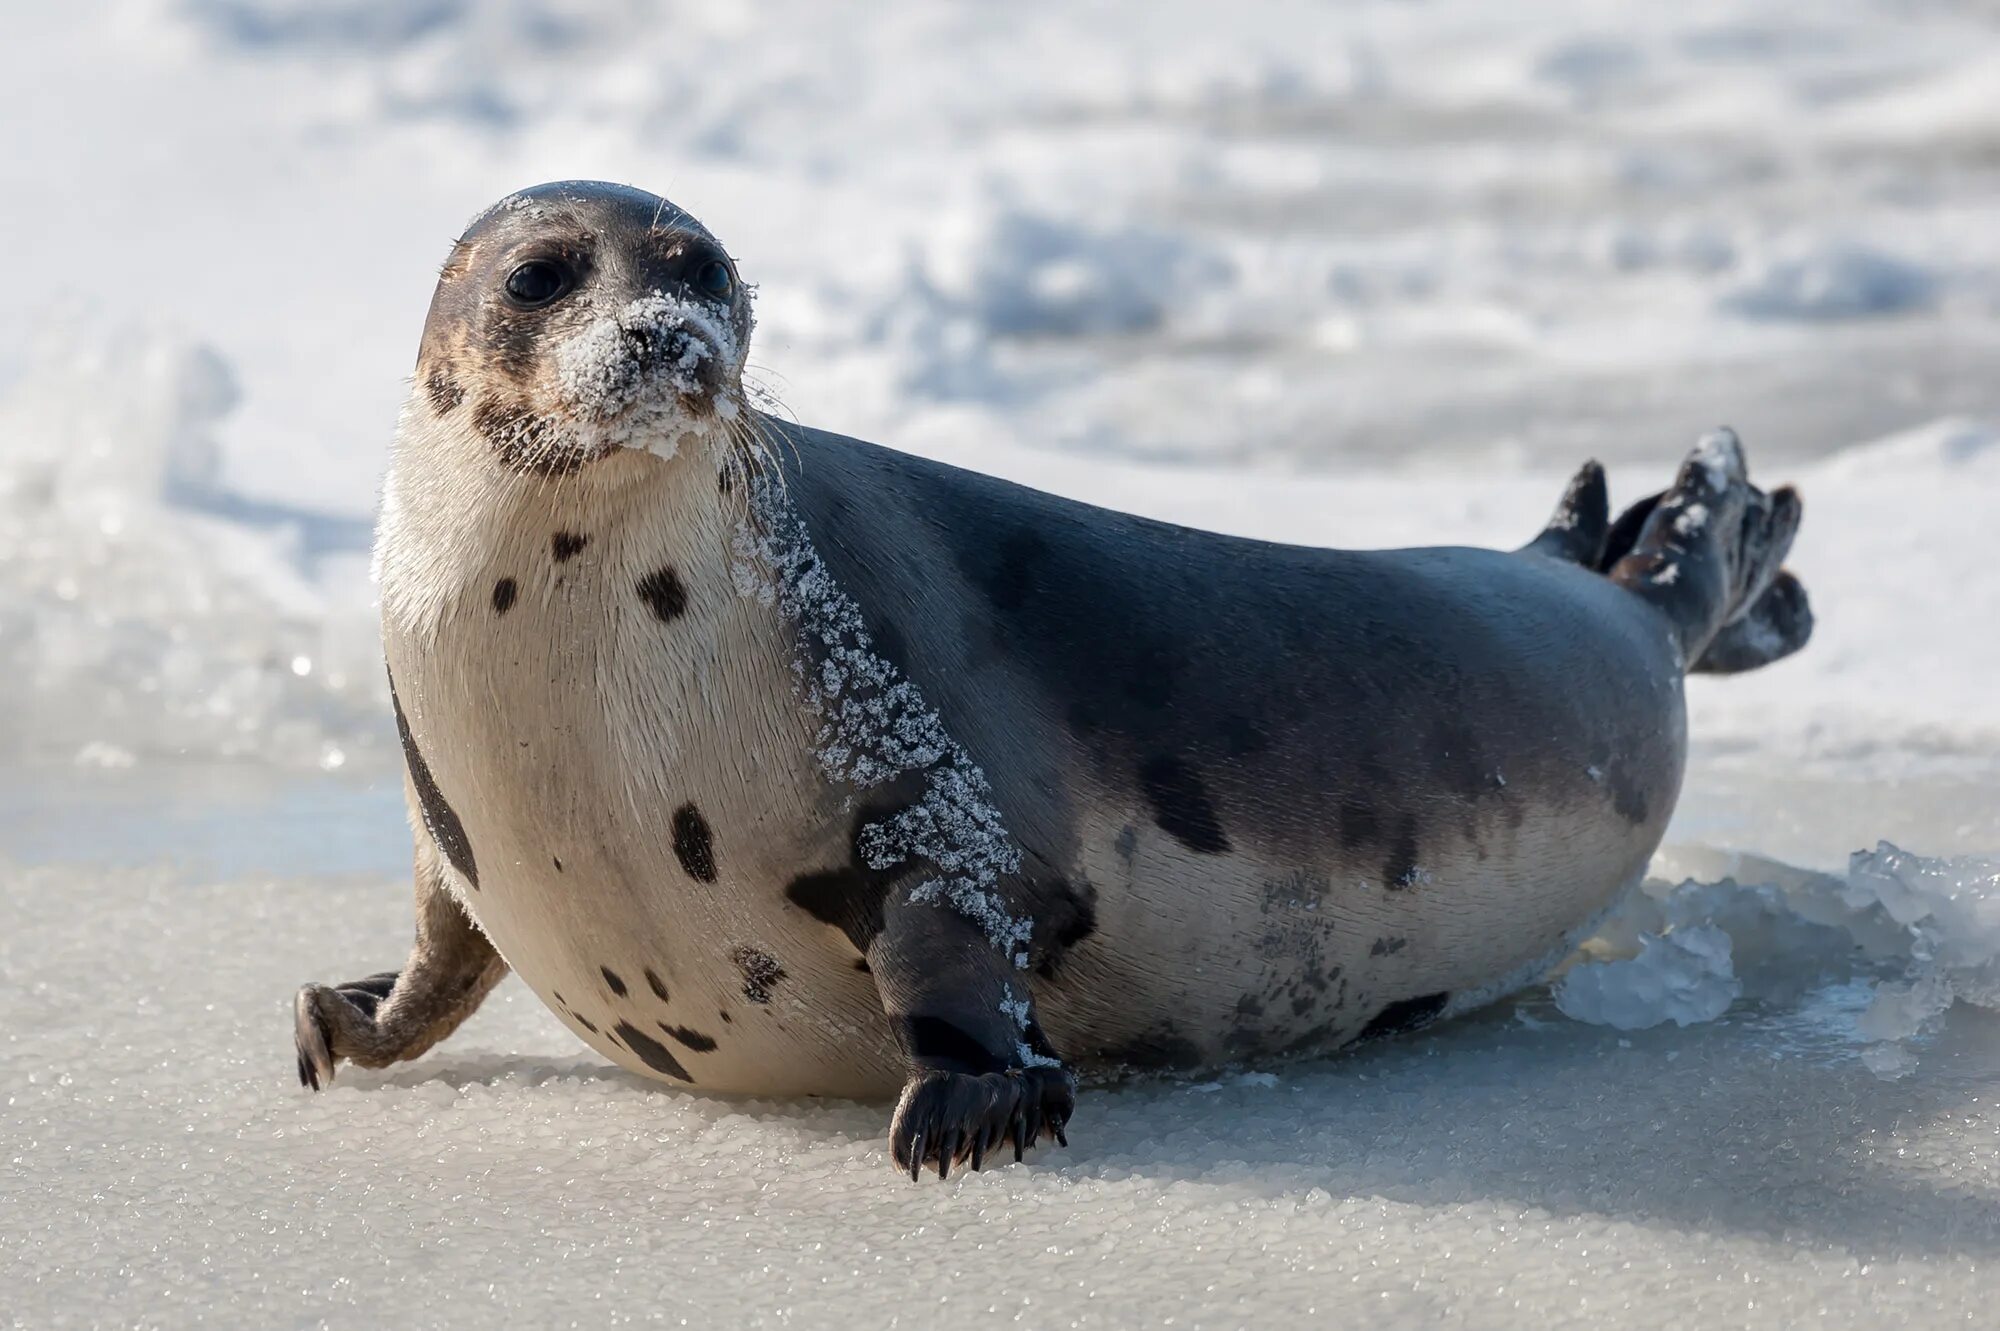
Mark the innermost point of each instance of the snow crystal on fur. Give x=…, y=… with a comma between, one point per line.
x=629, y=373
x=875, y=725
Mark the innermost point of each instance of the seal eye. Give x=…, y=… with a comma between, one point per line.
x=713, y=279
x=537, y=282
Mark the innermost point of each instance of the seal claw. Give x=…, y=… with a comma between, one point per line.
x=948, y=1117
x=312, y=1040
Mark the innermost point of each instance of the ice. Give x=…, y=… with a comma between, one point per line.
x=1950, y=911
x=1683, y=977
x=1917, y=933
x=162, y=1166
x=148, y=610
x=1372, y=274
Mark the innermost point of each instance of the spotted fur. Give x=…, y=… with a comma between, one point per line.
x=959, y=786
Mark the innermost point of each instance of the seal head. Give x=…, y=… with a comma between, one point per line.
x=578, y=318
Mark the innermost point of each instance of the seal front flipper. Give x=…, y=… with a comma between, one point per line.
x=982, y=1073
x=397, y=1015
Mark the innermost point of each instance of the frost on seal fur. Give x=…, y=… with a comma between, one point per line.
x=875, y=725
x=629, y=372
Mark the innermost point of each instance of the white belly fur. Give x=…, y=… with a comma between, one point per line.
x=572, y=727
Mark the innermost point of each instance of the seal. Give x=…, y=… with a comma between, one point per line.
x=777, y=762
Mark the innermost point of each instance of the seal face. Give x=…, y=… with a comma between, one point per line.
x=589, y=318
x=777, y=762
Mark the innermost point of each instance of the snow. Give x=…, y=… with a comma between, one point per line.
x=1370, y=274
x=604, y=379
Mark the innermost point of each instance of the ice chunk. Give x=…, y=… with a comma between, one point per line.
x=1915, y=933
x=1950, y=912
x=1684, y=977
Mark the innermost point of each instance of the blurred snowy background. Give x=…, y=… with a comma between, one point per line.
x=1367, y=274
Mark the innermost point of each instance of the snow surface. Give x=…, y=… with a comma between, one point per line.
x=1369, y=274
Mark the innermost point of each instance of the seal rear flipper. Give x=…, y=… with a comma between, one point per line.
x=1578, y=528
x=1711, y=548
x=1777, y=624
x=1625, y=532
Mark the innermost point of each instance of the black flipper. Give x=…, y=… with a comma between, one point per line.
x=1777, y=624
x=1709, y=551
x=1577, y=528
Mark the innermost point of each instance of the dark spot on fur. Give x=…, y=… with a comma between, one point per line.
x=1181, y=805
x=1127, y=843
x=861, y=964
x=557, y=993
x=663, y=594
x=694, y=847
x=1357, y=823
x=1407, y=1014
x=1009, y=568
x=504, y=592
x=612, y=978
x=850, y=898
x=1064, y=917
x=1628, y=796
x=937, y=1043
x=1401, y=870
x=847, y=899
x=557, y=861
x=439, y=818
x=651, y=1052
x=761, y=973
x=585, y=1022
x=724, y=1015
x=567, y=545
x=1387, y=947
x=693, y=1039
x=444, y=392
